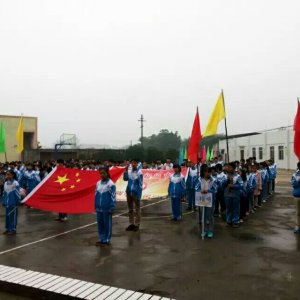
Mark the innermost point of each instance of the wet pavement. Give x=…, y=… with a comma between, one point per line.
x=260, y=260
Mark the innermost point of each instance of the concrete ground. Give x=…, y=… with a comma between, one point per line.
x=260, y=260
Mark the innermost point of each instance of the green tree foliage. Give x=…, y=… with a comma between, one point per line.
x=163, y=141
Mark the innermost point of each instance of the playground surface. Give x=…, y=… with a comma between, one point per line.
x=259, y=260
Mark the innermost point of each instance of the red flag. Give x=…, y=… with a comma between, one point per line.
x=195, y=140
x=203, y=156
x=297, y=132
x=68, y=191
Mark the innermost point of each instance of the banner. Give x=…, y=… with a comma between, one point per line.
x=155, y=185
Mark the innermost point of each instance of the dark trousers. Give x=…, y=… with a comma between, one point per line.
x=62, y=215
x=220, y=202
x=134, y=209
x=244, y=206
x=273, y=185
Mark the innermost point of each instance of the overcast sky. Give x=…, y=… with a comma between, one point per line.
x=92, y=67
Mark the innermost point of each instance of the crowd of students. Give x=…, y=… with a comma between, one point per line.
x=237, y=189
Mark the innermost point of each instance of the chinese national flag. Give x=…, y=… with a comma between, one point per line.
x=68, y=191
x=297, y=132
x=195, y=140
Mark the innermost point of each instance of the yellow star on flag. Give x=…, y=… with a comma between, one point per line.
x=72, y=186
x=78, y=180
x=62, y=179
x=63, y=190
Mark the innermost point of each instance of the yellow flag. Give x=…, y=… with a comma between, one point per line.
x=216, y=117
x=20, y=136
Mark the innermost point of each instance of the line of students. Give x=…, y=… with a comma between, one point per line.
x=237, y=190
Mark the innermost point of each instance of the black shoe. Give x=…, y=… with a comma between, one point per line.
x=136, y=228
x=101, y=244
x=131, y=227
x=5, y=232
x=11, y=233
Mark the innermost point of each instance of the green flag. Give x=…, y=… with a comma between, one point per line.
x=2, y=138
x=185, y=154
x=208, y=155
x=212, y=154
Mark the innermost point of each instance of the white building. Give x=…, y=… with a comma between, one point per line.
x=275, y=144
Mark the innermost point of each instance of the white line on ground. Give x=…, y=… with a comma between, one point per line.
x=72, y=230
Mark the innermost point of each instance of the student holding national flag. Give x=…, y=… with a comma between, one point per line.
x=10, y=200
x=105, y=203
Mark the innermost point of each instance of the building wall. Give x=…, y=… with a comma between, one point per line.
x=280, y=138
x=11, y=125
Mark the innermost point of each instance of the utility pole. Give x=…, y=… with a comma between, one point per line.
x=142, y=120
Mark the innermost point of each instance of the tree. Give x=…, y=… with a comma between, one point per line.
x=163, y=141
x=135, y=152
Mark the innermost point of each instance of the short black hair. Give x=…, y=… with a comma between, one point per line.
x=298, y=165
x=176, y=166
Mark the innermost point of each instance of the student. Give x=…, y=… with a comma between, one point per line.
x=258, y=189
x=159, y=165
x=296, y=193
x=105, y=203
x=273, y=175
x=190, y=185
x=207, y=185
x=176, y=192
x=243, y=199
x=220, y=160
x=168, y=165
x=30, y=179
x=10, y=200
x=233, y=187
x=220, y=206
x=134, y=189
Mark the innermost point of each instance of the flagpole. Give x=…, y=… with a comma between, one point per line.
x=226, y=132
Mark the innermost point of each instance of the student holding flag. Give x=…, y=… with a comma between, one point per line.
x=105, y=203
x=10, y=200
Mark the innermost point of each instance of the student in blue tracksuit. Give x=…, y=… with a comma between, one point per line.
x=220, y=206
x=134, y=177
x=176, y=191
x=296, y=193
x=29, y=179
x=251, y=187
x=190, y=185
x=233, y=186
x=105, y=203
x=273, y=175
x=206, y=184
x=10, y=200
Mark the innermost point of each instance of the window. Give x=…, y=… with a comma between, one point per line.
x=272, y=153
x=280, y=152
x=253, y=152
x=242, y=153
x=260, y=153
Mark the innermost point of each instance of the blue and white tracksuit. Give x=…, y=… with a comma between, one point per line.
x=210, y=186
x=250, y=188
x=135, y=183
x=232, y=198
x=220, y=201
x=265, y=183
x=295, y=181
x=176, y=191
x=10, y=200
x=105, y=203
x=273, y=175
x=190, y=187
x=29, y=180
